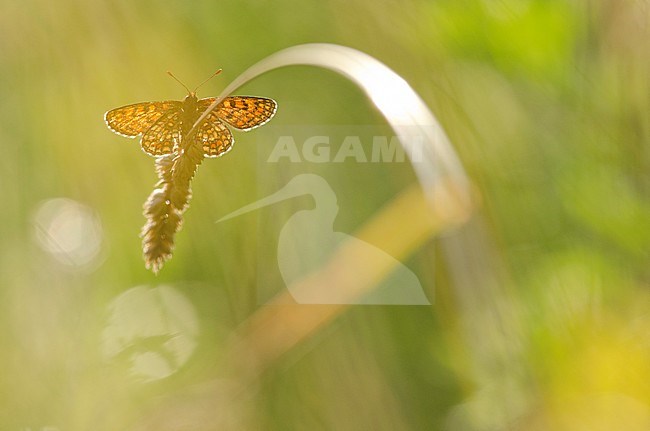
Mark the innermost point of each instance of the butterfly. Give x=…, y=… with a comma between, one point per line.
x=164, y=125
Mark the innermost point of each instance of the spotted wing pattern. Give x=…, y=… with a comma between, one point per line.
x=136, y=119
x=243, y=112
x=214, y=136
x=159, y=123
x=163, y=135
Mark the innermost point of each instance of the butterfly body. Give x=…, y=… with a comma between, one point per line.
x=164, y=126
x=190, y=113
x=190, y=105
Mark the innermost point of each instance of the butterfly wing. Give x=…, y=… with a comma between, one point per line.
x=214, y=136
x=243, y=112
x=162, y=136
x=136, y=119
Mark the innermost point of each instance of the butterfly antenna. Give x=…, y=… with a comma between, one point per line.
x=179, y=81
x=211, y=76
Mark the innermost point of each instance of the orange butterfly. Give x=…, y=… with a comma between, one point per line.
x=164, y=124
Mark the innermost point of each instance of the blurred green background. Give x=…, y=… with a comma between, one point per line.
x=541, y=309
